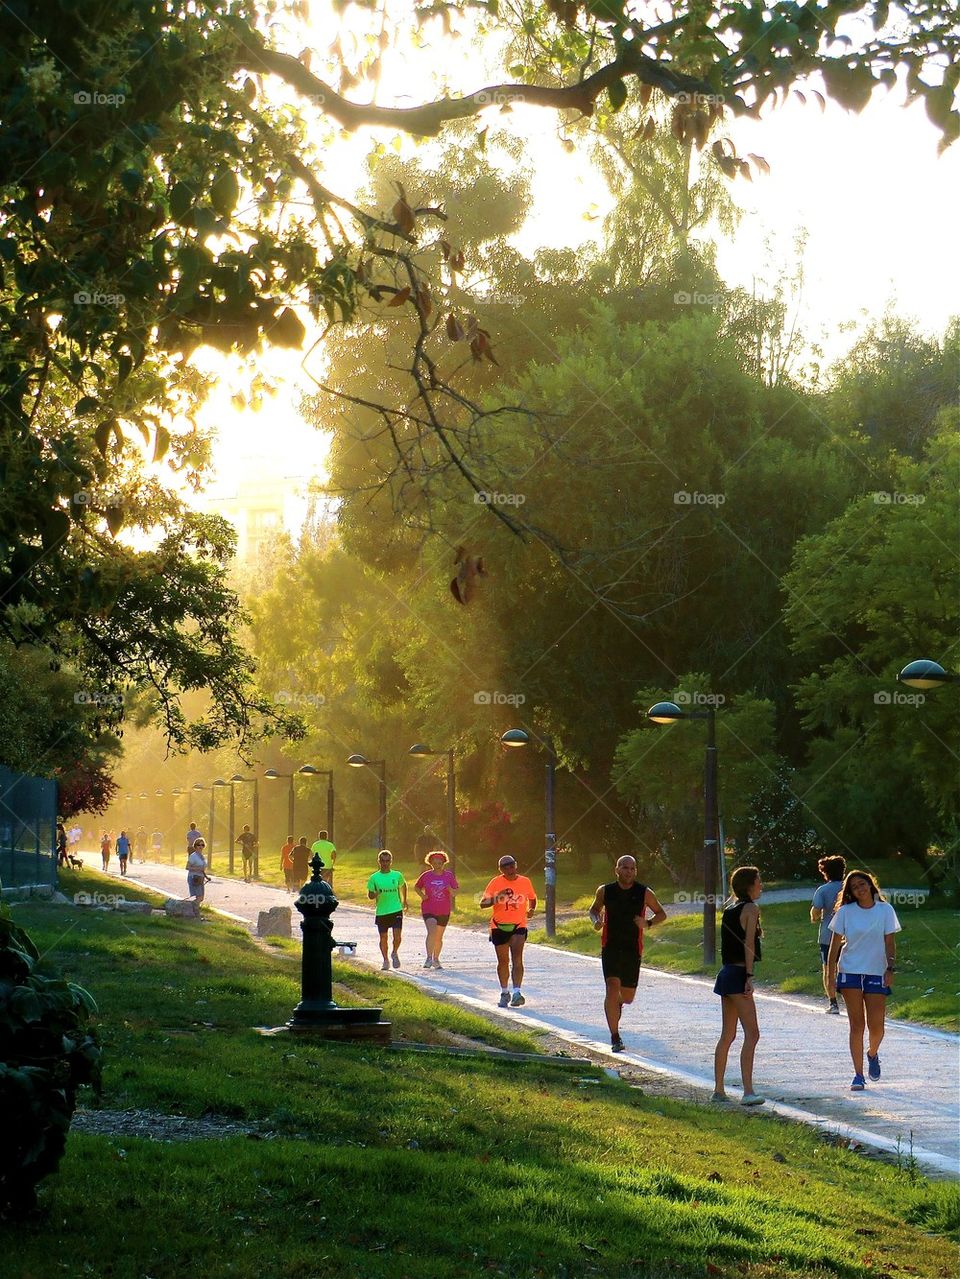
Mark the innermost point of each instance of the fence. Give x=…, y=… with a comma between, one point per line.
x=28, y=829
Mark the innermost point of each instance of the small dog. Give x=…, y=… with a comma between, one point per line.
x=75, y=862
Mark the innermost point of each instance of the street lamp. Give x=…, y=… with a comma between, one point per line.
x=520, y=737
x=926, y=674
x=328, y=774
x=422, y=752
x=238, y=777
x=669, y=713
x=305, y=770
x=361, y=761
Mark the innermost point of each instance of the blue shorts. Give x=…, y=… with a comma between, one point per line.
x=731, y=980
x=865, y=982
x=824, y=953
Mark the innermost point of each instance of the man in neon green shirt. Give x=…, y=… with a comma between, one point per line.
x=328, y=855
x=388, y=888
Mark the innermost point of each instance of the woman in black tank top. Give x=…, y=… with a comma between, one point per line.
x=740, y=935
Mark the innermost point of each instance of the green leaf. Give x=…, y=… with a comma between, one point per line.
x=617, y=93
x=287, y=329
x=86, y=404
x=181, y=200
x=224, y=192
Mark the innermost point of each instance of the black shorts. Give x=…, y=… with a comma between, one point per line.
x=500, y=938
x=386, y=922
x=621, y=963
x=731, y=980
x=442, y=920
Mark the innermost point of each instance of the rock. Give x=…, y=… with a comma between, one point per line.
x=135, y=908
x=178, y=909
x=274, y=922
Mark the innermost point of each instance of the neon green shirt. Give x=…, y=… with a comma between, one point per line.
x=387, y=884
x=327, y=851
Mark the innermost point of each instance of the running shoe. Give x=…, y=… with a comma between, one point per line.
x=859, y=1083
x=437, y=964
x=873, y=1066
x=720, y=1099
x=396, y=960
x=517, y=1000
x=384, y=967
x=504, y=999
x=752, y=1099
x=616, y=1044
x=833, y=1007
x=428, y=962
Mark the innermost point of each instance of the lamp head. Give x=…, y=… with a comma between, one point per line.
x=420, y=750
x=197, y=786
x=237, y=778
x=666, y=713
x=220, y=782
x=357, y=761
x=923, y=674
x=515, y=737
x=272, y=774
x=308, y=770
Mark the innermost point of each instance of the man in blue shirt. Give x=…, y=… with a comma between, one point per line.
x=822, y=911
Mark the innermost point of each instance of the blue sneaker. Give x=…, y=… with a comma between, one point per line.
x=859, y=1083
x=873, y=1066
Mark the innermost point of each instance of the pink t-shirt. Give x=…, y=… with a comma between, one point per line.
x=438, y=889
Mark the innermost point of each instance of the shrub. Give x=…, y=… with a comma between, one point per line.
x=46, y=1053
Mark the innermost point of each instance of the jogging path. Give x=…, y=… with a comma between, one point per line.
x=803, y=1064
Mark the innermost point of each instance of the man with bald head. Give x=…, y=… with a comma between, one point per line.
x=619, y=914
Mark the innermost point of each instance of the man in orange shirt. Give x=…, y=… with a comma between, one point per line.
x=513, y=899
x=286, y=865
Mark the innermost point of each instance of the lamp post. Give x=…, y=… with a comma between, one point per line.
x=926, y=674
x=212, y=788
x=361, y=761
x=176, y=793
x=328, y=774
x=238, y=777
x=419, y=751
x=518, y=737
x=668, y=713
x=305, y=770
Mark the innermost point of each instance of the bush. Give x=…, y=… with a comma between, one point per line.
x=46, y=1053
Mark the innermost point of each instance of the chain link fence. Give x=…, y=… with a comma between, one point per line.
x=28, y=829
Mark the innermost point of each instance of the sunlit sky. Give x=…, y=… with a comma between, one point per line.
x=878, y=204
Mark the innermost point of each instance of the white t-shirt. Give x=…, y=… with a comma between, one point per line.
x=196, y=862
x=864, y=930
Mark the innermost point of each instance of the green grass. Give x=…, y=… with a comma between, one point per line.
x=381, y=1164
x=927, y=986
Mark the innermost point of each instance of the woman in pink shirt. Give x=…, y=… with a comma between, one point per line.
x=436, y=887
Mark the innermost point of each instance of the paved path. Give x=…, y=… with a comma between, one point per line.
x=803, y=1066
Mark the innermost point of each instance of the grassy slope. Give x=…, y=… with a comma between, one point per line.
x=928, y=978
x=392, y=1164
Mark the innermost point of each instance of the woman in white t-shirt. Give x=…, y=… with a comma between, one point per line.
x=860, y=964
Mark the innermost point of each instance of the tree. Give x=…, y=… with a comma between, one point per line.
x=659, y=770
x=873, y=590
x=780, y=839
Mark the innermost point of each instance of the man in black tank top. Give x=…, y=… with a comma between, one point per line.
x=619, y=914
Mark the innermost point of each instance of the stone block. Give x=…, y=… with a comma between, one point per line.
x=176, y=908
x=274, y=922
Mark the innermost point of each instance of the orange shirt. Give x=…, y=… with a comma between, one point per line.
x=285, y=851
x=515, y=897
